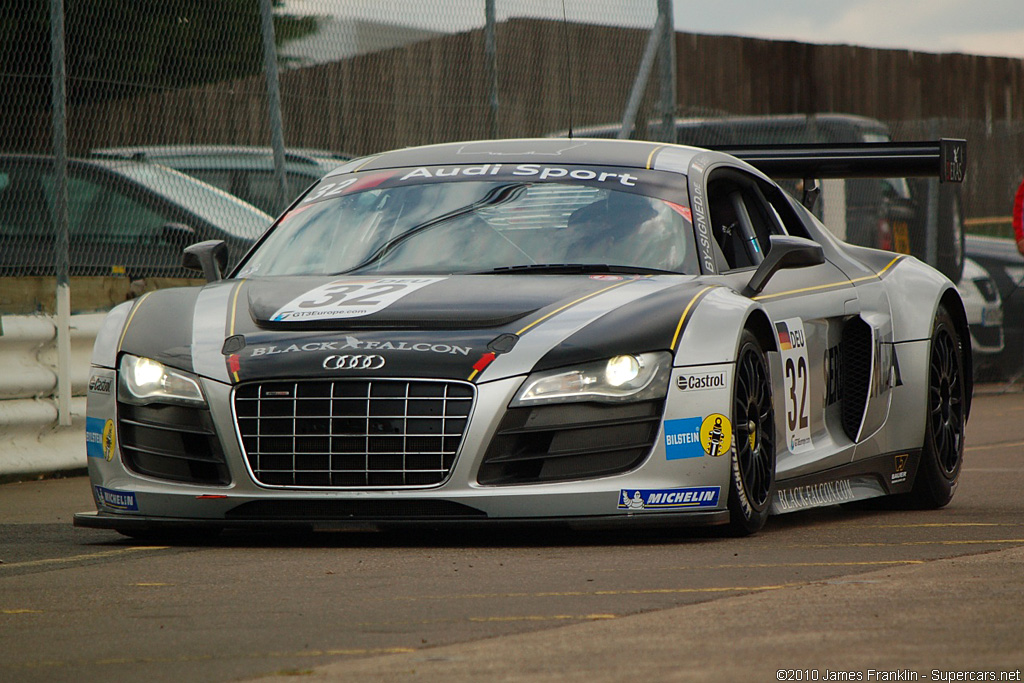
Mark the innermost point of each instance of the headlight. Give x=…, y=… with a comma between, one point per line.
x=621, y=378
x=143, y=381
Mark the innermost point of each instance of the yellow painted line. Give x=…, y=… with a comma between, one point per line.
x=577, y=594
x=682, y=318
x=993, y=446
x=152, y=585
x=21, y=611
x=538, y=321
x=841, y=283
x=121, y=661
x=80, y=558
x=994, y=541
x=131, y=315
x=553, y=617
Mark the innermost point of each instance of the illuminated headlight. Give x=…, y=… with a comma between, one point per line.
x=621, y=378
x=143, y=381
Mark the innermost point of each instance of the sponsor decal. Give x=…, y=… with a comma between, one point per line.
x=695, y=437
x=716, y=435
x=669, y=499
x=536, y=171
x=350, y=342
x=99, y=438
x=118, y=500
x=607, y=278
x=701, y=380
x=796, y=378
x=682, y=438
x=100, y=385
x=353, y=362
x=350, y=298
x=899, y=474
x=700, y=218
x=814, y=495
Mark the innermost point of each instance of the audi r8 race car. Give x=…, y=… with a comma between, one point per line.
x=593, y=332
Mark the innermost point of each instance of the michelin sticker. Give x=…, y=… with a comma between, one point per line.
x=119, y=500
x=350, y=298
x=669, y=499
x=796, y=377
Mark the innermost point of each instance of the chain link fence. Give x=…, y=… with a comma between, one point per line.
x=170, y=109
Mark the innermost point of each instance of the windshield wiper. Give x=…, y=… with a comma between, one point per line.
x=574, y=269
x=497, y=195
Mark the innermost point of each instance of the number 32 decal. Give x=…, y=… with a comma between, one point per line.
x=350, y=298
x=793, y=345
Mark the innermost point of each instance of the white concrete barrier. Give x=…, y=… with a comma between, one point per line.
x=31, y=438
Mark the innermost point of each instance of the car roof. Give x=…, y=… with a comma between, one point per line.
x=541, y=151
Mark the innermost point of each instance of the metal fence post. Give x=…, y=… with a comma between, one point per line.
x=274, y=102
x=60, y=217
x=491, y=54
x=668, y=73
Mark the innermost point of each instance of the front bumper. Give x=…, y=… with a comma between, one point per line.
x=130, y=502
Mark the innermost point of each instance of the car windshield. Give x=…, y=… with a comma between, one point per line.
x=451, y=220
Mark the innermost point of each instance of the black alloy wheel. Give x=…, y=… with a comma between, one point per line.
x=753, y=457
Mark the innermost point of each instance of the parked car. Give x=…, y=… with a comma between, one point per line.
x=1004, y=264
x=889, y=213
x=124, y=217
x=984, y=308
x=591, y=332
x=246, y=172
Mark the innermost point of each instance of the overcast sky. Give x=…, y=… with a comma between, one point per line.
x=987, y=27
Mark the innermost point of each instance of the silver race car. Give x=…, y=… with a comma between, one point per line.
x=593, y=332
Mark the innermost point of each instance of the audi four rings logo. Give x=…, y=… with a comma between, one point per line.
x=353, y=362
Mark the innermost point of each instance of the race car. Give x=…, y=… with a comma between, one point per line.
x=581, y=331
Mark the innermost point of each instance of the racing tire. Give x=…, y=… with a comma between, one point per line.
x=942, y=452
x=752, y=478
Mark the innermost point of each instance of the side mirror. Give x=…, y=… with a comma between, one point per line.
x=210, y=256
x=785, y=252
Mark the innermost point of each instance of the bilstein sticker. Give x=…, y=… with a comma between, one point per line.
x=716, y=434
x=682, y=438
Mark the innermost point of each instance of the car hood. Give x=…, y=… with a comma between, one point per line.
x=469, y=327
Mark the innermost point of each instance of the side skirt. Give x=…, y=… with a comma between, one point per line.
x=881, y=475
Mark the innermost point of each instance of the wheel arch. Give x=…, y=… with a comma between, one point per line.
x=950, y=300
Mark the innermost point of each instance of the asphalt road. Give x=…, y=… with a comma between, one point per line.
x=830, y=594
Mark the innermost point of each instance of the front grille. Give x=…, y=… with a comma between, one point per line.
x=352, y=433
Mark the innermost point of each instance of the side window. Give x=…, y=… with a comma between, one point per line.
x=24, y=208
x=741, y=219
x=101, y=214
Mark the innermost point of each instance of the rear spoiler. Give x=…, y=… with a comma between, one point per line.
x=945, y=158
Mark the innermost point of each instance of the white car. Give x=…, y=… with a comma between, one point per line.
x=984, y=309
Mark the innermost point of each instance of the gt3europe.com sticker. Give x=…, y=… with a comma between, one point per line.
x=350, y=298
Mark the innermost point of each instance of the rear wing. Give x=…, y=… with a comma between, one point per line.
x=945, y=158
